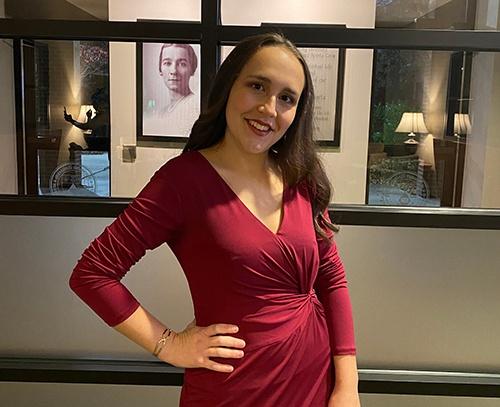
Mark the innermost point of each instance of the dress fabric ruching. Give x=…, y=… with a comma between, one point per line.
x=286, y=291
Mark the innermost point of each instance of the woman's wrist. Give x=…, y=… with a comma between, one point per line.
x=346, y=373
x=163, y=341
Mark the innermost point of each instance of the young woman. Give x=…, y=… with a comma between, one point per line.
x=244, y=209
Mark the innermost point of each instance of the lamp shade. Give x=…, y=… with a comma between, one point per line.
x=461, y=123
x=412, y=123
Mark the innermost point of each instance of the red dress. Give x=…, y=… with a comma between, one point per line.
x=286, y=291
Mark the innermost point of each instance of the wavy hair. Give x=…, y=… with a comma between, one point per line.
x=295, y=153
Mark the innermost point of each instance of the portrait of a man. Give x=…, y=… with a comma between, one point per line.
x=171, y=101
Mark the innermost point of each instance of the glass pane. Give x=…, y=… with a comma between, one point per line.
x=434, y=129
x=133, y=164
x=132, y=10
x=438, y=14
x=8, y=152
x=353, y=14
x=85, y=10
x=67, y=117
x=105, y=10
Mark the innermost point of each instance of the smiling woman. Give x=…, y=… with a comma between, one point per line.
x=273, y=321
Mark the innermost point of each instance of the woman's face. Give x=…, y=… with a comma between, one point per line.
x=263, y=100
x=176, y=69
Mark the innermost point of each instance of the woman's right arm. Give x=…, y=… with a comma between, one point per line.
x=155, y=216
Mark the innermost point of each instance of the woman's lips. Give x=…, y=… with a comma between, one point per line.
x=256, y=130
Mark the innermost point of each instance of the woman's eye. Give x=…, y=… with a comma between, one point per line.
x=257, y=86
x=288, y=99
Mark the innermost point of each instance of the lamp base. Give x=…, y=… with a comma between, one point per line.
x=411, y=139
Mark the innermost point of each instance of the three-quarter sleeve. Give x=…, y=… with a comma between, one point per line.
x=152, y=218
x=331, y=289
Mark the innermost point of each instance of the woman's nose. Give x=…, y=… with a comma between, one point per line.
x=269, y=106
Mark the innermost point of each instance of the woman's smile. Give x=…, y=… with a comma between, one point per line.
x=258, y=128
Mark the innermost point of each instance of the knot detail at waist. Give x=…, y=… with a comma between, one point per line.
x=278, y=316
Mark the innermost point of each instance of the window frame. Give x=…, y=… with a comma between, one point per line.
x=211, y=35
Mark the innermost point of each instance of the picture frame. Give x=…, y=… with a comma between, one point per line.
x=327, y=67
x=168, y=91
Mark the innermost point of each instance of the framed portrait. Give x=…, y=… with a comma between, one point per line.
x=327, y=72
x=168, y=90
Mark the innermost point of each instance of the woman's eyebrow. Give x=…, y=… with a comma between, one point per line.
x=178, y=59
x=267, y=80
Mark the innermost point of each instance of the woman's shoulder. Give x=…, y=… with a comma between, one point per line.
x=181, y=165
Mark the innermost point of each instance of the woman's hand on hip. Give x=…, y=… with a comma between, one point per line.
x=195, y=345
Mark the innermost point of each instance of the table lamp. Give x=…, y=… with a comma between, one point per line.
x=412, y=123
x=461, y=124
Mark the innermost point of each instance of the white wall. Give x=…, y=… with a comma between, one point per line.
x=8, y=152
x=346, y=166
x=132, y=10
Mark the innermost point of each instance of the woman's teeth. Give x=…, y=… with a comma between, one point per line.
x=259, y=126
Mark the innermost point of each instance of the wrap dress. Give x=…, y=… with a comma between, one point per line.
x=286, y=291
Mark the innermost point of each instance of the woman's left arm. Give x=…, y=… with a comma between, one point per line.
x=331, y=289
x=345, y=392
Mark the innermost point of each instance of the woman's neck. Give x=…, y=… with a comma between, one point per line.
x=232, y=159
x=174, y=97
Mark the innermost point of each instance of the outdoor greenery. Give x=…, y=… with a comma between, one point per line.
x=397, y=88
x=386, y=117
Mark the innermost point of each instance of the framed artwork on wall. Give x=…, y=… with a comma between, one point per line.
x=327, y=71
x=168, y=90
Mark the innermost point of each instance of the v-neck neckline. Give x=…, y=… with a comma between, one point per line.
x=242, y=204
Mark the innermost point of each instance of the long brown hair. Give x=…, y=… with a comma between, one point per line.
x=295, y=153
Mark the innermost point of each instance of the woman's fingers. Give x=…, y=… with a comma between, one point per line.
x=218, y=329
x=224, y=353
x=219, y=367
x=227, y=341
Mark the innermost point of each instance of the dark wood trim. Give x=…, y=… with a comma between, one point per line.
x=155, y=373
x=210, y=53
x=93, y=371
x=362, y=215
x=395, y=216
x=19, y=108
x=190, y=31
x=339, y=102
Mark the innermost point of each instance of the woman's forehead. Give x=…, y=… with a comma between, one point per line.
x=278, y=65
x=174, y=52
